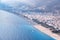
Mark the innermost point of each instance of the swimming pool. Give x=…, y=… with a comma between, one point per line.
x=13, y=27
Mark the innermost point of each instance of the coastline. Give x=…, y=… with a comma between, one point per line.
x=42, y=28
x=47, y=31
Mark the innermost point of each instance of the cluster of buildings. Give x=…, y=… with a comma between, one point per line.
x=51, y=20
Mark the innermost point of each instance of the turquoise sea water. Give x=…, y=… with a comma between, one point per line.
x=13, y=27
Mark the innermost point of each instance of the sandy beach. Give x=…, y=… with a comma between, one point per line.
x=43, y=29
x=47, y=31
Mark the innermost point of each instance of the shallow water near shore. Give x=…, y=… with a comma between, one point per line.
x=13, y=27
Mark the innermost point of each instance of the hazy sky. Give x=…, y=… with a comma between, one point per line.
x=32, y=3
x=40, y=4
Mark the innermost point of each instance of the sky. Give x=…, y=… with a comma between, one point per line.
x=32, y=3
x=35, y=4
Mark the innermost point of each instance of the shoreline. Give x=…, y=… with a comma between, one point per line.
x=42, y=28
x=49, y=33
